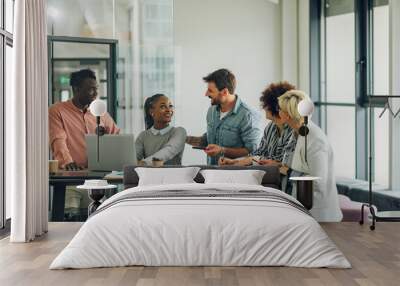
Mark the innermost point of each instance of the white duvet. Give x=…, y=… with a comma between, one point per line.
x=200, y=231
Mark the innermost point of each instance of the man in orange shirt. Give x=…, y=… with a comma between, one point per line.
x=69, y=122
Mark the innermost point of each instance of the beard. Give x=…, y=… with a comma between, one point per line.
x=87, y=100
x=215, y=101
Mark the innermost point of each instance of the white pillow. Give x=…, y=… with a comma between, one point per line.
x=166, y=176
x=249, y=177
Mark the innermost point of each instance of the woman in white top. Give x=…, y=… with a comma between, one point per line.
x=319, y=162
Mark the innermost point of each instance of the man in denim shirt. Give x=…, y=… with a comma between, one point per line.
x=233, y=128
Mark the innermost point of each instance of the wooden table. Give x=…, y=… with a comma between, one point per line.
x=60, y=180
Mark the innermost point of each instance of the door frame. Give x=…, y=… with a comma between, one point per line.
x=112, y=70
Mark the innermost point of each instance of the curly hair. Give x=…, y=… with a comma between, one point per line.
x=269, y=97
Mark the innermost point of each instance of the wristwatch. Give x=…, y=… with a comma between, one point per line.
x=222, y=152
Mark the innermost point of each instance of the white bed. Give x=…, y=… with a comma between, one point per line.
x=184, y=230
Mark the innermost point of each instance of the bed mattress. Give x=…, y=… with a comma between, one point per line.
x=201, y=225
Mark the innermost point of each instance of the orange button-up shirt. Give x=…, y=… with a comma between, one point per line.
x=67, y=128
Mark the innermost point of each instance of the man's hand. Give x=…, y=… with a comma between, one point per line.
x=213, y=150
x=226, y=161
x=72, y=167
x=194, y=140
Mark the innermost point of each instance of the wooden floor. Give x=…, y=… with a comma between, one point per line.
x=375, y=257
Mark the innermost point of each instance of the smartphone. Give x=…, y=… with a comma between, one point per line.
x=199, y=147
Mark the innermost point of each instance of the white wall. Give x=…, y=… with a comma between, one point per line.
x=241, y=36
x=303, y=68
x=289, y=40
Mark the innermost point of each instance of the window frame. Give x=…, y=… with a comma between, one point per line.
x=363, y=77
x=6, y=39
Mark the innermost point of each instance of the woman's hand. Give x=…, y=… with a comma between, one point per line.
x=270, y=162
x=284, y=170
x=226, y=161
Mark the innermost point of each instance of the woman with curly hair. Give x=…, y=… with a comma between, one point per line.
x=276, y=143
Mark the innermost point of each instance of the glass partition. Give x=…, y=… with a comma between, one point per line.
x=68, y=57
x=145, y=60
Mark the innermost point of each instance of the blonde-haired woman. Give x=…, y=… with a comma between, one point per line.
x=319, y=158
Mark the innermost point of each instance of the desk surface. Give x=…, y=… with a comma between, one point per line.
x=77, y=174
x=73, y=176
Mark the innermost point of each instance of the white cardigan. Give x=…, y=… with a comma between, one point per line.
x=319, y=163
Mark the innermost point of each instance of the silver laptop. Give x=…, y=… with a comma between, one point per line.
x=115, y=151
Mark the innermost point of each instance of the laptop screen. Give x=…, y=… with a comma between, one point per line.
x=115, y=151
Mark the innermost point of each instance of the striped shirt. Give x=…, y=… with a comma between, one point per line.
x=289, y=150
x=276, y=146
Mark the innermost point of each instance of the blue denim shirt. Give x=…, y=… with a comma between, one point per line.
x=241, y=127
